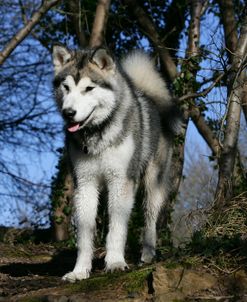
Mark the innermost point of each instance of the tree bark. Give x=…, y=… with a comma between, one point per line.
x=230, y=26
x=244, y=99
x=235, y=92
x=61, y=196
x=231, y=39
x=196, y=9
x=21, y=35
x=194, y=31
x=178, y=156
x=62, y=219
x=172, y=30
x=98, y=31
x=74, y=8
x=205, y=131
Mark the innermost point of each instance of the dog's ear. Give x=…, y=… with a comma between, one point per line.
x=61, y=55
x=102, y=59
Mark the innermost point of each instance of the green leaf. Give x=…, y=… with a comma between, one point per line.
x=67, y=210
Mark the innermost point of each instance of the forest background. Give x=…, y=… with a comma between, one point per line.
x=200, y=48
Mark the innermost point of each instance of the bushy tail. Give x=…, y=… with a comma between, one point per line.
x=145, y=77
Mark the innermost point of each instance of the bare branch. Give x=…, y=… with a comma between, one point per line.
x=204, y=92
x=21, y=35
x=171, y=33
x=100, y=19
x=25, y=21
x=196, y=11
x=235, y=91
x=75, y=12
x=204, y=6
x=148, y=27
x=231, y=39
x=194, y=31
x=205, y=131
x=229, y=25
x=234, y=99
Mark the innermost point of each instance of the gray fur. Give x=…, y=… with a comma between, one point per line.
x=138, y=104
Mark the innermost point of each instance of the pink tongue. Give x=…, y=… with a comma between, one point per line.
x=74, y=127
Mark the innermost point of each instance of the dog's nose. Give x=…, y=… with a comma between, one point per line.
x=69, y=112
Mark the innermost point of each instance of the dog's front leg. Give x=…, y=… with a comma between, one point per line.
x=85, y=203
x=121, y=199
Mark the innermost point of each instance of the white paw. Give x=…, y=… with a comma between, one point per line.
x=76, y=276
x=148, y=254
x=115, y=261
x=116, y=266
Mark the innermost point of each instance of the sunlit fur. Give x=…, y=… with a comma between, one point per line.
x=120, y=136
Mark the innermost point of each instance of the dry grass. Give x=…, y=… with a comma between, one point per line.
x=219, y=240
x=229, y=221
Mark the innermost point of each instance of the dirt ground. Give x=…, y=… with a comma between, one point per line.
x=32, y=272
x=24, y=269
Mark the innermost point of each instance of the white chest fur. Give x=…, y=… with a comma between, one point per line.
x=112, y=162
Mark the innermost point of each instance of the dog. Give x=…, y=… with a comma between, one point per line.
x=120, y=129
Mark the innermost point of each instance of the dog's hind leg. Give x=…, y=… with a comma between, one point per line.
x=85, y=202
x=155, y=196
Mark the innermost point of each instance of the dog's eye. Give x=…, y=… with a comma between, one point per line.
x=66, y=87
x=89, y=88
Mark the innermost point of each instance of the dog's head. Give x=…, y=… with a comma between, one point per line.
x=84, y=84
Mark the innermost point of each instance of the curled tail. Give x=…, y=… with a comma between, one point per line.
x=145, y=77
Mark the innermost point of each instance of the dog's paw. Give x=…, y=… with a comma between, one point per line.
x=116, y=266
x=76, y=276
x=148, y=255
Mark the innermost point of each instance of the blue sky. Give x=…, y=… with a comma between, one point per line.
x=40, y=166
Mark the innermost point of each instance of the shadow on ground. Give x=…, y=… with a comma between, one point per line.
x=61, y=263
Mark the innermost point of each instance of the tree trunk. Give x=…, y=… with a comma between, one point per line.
x=98, y=31
x=230, y=27
x=244, y=99
x=235, y=93
x=61, y=197
x=75, y=15
x=178, y=155
x=231, y=39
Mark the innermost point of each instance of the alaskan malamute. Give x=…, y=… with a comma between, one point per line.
x=119, y=133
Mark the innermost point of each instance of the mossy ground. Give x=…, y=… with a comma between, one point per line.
x=32, y=272
x=27, y=270
x=34, y=279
